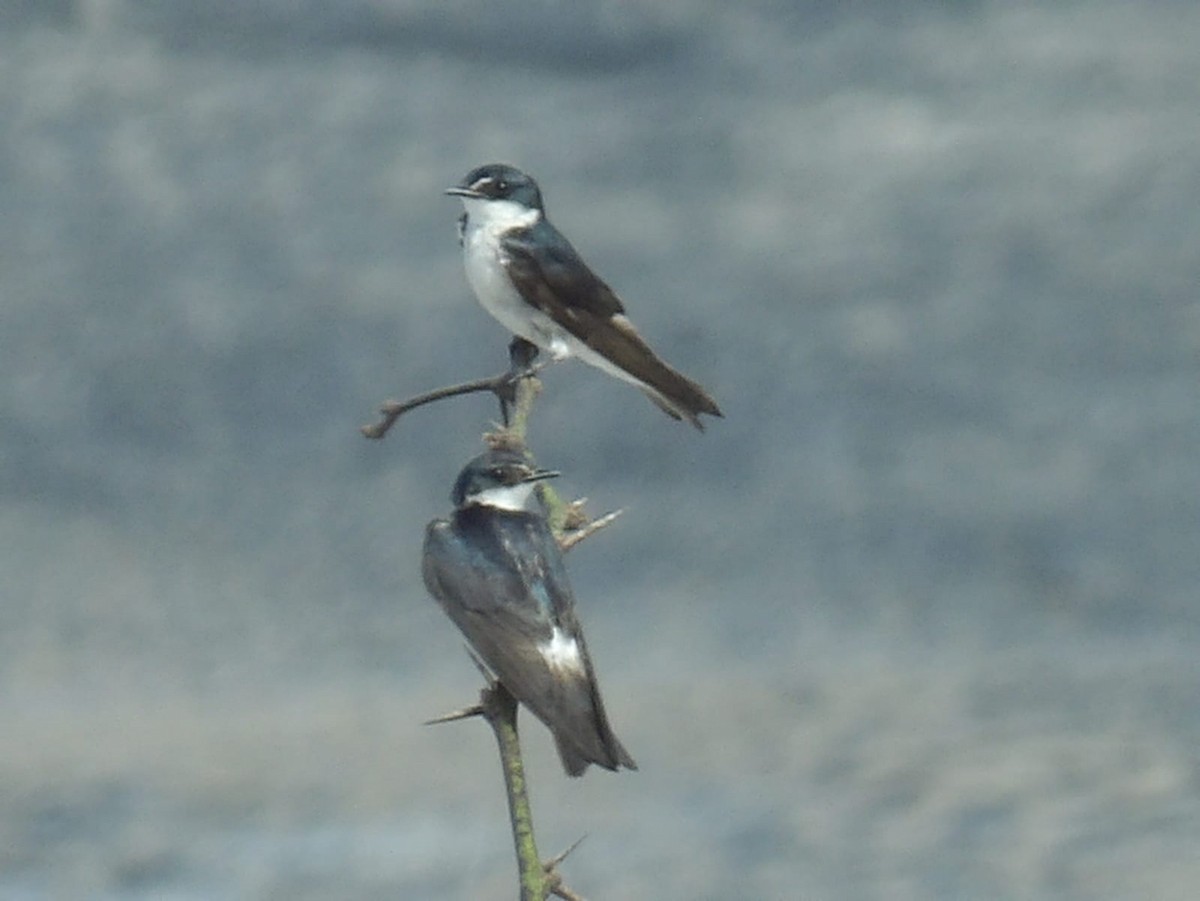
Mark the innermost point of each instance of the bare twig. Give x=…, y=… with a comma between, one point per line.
x=559, y=889
x=521, y=371
x=502, y=386
x=568, y=540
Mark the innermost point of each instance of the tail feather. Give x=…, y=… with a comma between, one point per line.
x=610, y=754
x=581, y=729
x=670, y=389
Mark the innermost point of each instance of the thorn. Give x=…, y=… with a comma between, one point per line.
x=488, y=677
x=479, y=709
x=555, y=861
x=554, y=880
x=464, y=714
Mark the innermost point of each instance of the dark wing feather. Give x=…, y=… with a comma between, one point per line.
x=563, y=286
x=552, y=276
x=506, y=636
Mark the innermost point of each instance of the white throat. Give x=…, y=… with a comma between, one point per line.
x=497, y=215
x=514, y=498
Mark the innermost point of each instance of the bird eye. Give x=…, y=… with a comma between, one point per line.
x=501, y=186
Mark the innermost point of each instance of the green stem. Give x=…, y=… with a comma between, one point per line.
x=500, y=708
x=527, y=391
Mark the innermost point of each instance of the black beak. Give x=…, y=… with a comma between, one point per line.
x=460, y=191
x=539, y=474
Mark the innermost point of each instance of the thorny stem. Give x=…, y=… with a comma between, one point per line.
x=496, y=704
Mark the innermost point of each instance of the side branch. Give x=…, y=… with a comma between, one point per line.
x=521, y=371
x=503, y=386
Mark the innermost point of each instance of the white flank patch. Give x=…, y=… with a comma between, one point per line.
x=561, y=652
x=560, y=343
x=506, y=497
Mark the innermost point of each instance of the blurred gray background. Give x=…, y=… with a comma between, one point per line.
x=917, y=620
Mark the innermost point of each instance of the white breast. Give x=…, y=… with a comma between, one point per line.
x=483, y=259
